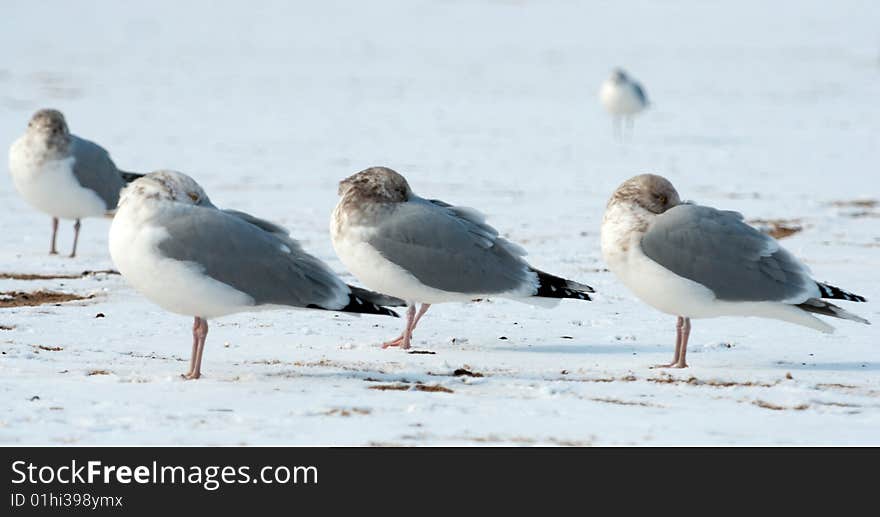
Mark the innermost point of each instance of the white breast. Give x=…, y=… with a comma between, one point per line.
x=50, y=186
x=176, y=286
x=620, y=98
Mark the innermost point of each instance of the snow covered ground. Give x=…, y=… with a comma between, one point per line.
x=766, y=108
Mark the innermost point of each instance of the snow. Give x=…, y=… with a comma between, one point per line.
x=766, y=108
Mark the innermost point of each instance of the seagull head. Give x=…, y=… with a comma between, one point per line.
x=166, y=185
x=376, y=184
x=618, y=75
x=50, y=125
x=647, y=191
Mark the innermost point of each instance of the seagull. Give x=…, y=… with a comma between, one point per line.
x=623, y=97
x=64, y=175
x=427, y=251
x=189, y=257
x=694, y=261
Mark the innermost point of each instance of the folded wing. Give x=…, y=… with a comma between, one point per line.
x=717, y=249
x=255, y=257
x=95, y=170
x=452, y=249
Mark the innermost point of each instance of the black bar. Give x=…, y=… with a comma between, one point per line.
x=389, y=477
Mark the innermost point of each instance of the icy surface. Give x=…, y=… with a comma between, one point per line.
x=767, y=108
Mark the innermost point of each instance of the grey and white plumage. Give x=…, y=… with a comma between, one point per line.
x=718, y=250
x=695, y=261
x=428, y=251
x=183, y=253
x=62, y=174
x=623, y=97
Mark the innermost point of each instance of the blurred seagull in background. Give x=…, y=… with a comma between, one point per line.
x=624, y=98
x=694, y=261
x=189, y=257
x=63, y=175
x=427, y=251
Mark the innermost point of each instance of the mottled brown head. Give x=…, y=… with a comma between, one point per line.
x=376, y=184
x=166, y=185
x=50, y=124
x=652, y=192
x=49, y=121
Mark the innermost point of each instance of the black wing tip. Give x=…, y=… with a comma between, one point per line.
x=831, y=292
x=824, y=308
x=128, y=177
x=376, y=298
x=550, y=286
x=356, y=304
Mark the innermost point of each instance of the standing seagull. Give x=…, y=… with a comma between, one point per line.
x=694, y=261
x=427, y=251
x=63, y=175
x=186, y=255
x=623, y=97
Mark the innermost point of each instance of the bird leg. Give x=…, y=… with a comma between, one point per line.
x=200, y=334
x=630, y=120
x=685, y=334
x=419, y=315
x=52, y=250
x=617, y=129
x=195, y=348
x=76, y=226
x=679, y=327
x=411, y=321
x=403, y=339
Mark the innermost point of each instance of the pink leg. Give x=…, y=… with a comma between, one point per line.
x=195, y=347
x=685, y=334
x=52, y=250
x=422, y=311
x=403, y=339
x=200, y=334
x=412, y=319
x=76, y=226
x=406, y=342
x=679, y=326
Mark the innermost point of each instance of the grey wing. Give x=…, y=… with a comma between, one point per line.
x=735, y=261
x=95, y=170
x=271, y=268
x=259, y=223
x=277, y=230
x=452, y=249
x=640, y=93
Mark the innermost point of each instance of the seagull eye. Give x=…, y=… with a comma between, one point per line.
x=662, y=199
x=193, y=196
